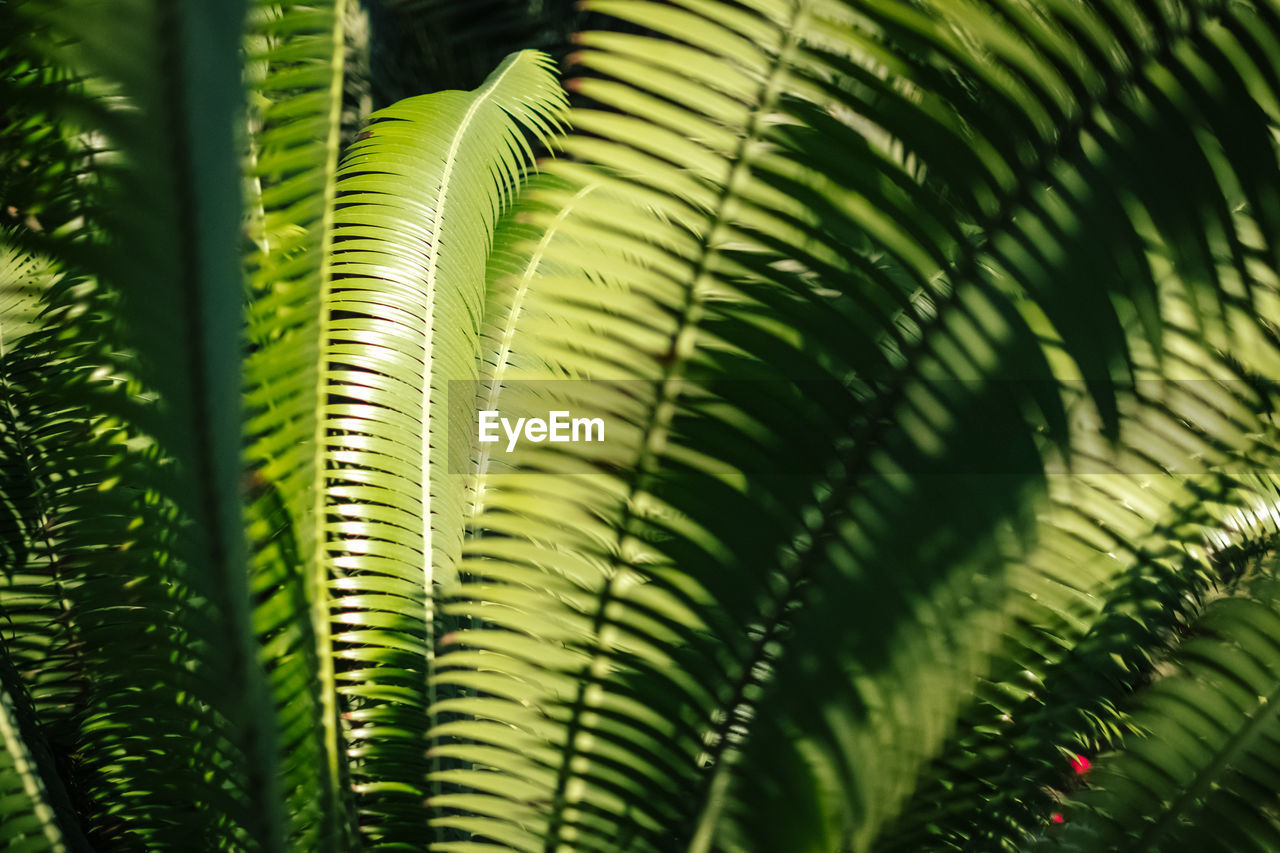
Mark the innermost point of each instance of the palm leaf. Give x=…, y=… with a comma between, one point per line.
x=94, y=550
x=796, y=624
x=419, y=195
x=31, y=822
x=164, y=201
x=1059, y=688
x=33, y=601
x=296, y=62
x=1201, y=774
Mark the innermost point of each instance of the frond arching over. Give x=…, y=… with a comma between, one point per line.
x=939, y=244
x=419, y=195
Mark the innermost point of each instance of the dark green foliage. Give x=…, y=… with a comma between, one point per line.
x=934, y=342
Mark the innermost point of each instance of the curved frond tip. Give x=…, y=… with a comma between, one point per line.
x=419, y=194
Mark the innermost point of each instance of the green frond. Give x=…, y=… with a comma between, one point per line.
x=30, y=821
x=419, y=196
x=1083, y=644
x=41, y=160
x=157, y=255
x=744, y=608
x=32, y=603
x=34, y=599
x=98, y=543
x=1199, y=773
x=931, y=344
x=296, y=62
x=516, y=273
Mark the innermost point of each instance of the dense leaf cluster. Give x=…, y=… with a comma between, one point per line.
x=934, y=342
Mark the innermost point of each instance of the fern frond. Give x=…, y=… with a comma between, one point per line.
x=419, y=196
x=296, y=69
x=159, y=256
x=1201, y=773
x=30, y=820
x=665, y=646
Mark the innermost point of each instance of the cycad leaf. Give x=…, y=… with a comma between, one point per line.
x=1094, y=626
x=33, y=599
x=29, y=821
x=1201, y=773
x=151, y=361
x=295, y=68
x=735, y=607
x=419, y=195
x=37, y=555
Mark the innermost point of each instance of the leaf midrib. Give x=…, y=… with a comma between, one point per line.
x=334, y=747
x=502, y=358
x=433, y=256
x=662, y=412
x=998, y=222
